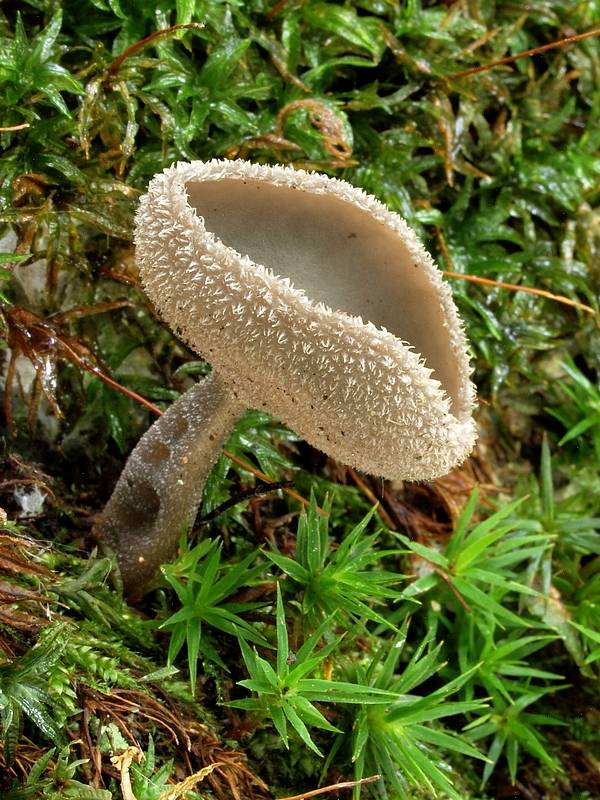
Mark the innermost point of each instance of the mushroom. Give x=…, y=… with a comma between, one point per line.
x=313, y=302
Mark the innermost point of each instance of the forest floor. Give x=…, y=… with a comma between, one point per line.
x=414, y=640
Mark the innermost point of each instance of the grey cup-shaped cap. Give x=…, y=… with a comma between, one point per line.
x=313, y=302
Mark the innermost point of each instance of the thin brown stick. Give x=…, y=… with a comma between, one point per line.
x=371, y=496
x=445, y=577
x=578, y=37
x=7, y=399
x=79, y=311
x=10, y=128
x=133, y=48
x=441, y=240
x=334, y=787
x=264, y=477
x=115, y=385
x=93, y=752
x=276, y=9
x=514, y=287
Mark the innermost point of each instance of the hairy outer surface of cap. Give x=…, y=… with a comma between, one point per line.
x=219, y=245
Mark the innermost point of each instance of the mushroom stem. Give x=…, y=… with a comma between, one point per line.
x=160, y=488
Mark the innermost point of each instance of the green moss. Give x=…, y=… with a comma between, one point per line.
x=498, y=170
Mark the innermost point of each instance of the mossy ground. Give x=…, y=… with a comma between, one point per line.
x=497, y=168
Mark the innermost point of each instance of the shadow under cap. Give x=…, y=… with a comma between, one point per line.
x=338, y=255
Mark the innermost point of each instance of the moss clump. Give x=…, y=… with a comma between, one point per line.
x=497, y=168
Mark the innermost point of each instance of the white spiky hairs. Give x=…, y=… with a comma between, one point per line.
x=314, y=302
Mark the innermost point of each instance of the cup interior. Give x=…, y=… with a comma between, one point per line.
x=337, y=254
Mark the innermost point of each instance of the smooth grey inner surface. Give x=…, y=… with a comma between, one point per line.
x=338, y=254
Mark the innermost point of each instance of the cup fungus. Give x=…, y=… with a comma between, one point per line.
x=313, y=302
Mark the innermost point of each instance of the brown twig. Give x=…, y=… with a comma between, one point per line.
x=133, y=48
x=276, y=9
x=334, y=787
x=533, y=51
x=264, y=477
x=445, y=577
x=87, y=365
x=514, y=287
x=389, y=522
x=79, y=311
